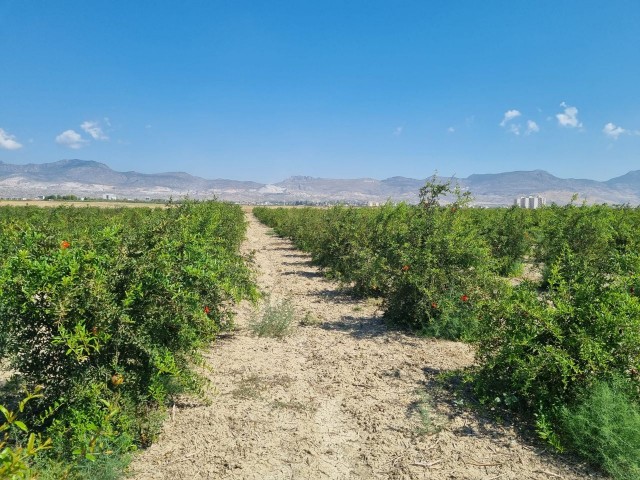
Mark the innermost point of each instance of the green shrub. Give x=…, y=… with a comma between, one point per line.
x=443, y=277
x=542, y=348
x=509, y=233
x=432, y=266
x=599, y=235
x=604, y=426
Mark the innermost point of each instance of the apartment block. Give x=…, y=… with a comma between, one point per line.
x=530, y=202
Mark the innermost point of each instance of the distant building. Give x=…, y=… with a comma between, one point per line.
x=530, y=202
x=109, y=196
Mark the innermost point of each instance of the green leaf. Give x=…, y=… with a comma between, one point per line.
x=31, y=443
x=21, y=426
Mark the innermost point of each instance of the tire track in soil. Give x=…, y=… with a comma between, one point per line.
x=336, y=400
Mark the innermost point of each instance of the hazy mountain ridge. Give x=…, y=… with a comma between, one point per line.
x=94, y=179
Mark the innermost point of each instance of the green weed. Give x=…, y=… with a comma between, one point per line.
x=275, y=320
x=430, y=422
x=604, y=426
x=310, y=320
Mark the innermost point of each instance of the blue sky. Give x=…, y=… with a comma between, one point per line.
x=264, y=90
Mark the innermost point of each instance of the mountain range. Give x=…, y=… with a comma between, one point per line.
x=85, y=178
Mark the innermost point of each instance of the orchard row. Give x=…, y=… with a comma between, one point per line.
x=549, y=297
x=103, y=312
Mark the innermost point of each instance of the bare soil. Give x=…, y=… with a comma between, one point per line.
x=342, y=398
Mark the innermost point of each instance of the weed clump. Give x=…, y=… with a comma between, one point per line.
x=275, y=320
x=430, y=422
x=604, y=427
x=310, y=320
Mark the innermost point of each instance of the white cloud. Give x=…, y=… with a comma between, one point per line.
x=613, y=131
x=532, y=127
x=71, y=139
x=93, y=129
x=508, y=116
x=569, y=118
x=517, y=128
x=451, y=129
x=8, y=141
x=398, y=131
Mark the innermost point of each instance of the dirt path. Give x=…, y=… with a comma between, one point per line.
x=341, y=399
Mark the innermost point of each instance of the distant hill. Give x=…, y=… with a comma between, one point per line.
x=89, y=178
x=499, y=186
x=629, y=182
x=94, y=179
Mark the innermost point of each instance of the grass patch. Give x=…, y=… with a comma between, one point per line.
x=275, y=320
x=310, y=320
x=279, y=381
x=374, y=301
x=430, y=422
x=515, y=269
x=251, y=387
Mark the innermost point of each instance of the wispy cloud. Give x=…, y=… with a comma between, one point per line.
x=514, y=128
x=613, y=131
x=94, y=129
x=451, y=130
x=569, y=118
x=507, y=121
x=8, y=141
x=71, y=139
x=508, y=116
x=532, y=127
x=398, y=131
